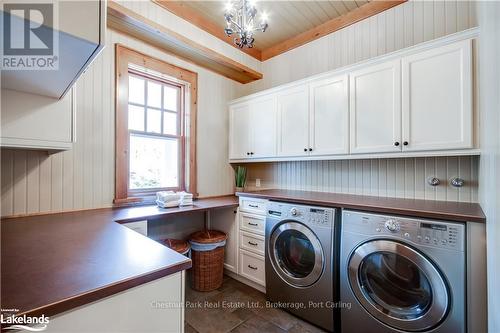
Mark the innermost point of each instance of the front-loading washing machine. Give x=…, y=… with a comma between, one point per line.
x=300, y=266
x=402, y=274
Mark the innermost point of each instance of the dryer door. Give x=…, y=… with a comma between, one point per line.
x=296, y=254
x=398, y=285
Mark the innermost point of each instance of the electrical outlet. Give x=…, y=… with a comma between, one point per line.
x=257, y=182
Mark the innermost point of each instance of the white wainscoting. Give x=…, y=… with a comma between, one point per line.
x=402, y=26
x=402, y=177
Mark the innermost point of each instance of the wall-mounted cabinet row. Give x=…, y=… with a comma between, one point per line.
x=419, y=100
x=38, y=105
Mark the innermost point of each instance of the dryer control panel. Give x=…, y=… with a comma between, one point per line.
x=318, y=216
x=440, y=234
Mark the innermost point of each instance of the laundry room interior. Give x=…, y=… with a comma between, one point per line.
x=282, y=166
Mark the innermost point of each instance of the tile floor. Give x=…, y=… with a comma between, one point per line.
x=238, y=308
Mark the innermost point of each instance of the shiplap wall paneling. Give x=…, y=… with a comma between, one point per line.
x=404, y=177
x=402, y=26
x=83, y=177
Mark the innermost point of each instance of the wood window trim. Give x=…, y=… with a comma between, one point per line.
x=123, y=57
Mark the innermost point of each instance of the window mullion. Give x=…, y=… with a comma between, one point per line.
x=145, y=105
x=162, y=106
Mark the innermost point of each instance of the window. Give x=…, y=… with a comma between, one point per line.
x=155, y=130
x=155, y=127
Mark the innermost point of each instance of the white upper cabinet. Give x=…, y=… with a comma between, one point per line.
x=375, y=108
x=240, y=131
x=329, y=116
x=293, y=121
x=37, y=122
x=253, y=129
x=437, y=98
x=263, y=117
x=410, y=103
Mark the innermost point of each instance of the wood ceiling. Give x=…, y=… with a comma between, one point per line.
x=291, y=23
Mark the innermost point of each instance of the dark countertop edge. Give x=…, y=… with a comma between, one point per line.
x=76, y=301
x=93, y=295
x=165, y=211
x=456, y=217
x=186, y=209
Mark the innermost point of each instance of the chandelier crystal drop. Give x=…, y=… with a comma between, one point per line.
x=240, y=20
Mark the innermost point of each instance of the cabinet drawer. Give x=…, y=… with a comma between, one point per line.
x=252, y=267
x=252, y=243
x=253, y=223
x=251, y=205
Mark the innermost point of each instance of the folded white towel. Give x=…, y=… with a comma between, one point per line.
x=167, y=199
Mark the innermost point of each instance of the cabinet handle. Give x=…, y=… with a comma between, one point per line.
x=253, y=224
x=310, y=149
x=253, y=244
x=396, y=143
x=248, y=153
x=253, y=206
x=405, y=143
x=251, y=267
x=305, y=149
x=251, y=153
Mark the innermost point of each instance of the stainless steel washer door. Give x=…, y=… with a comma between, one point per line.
x=296, y=254
x=398, y=285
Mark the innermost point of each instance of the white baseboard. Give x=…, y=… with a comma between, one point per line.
x=245, y=281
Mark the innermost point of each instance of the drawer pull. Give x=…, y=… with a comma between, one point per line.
x=252, y=267
x=253, y=206
x=253, y=244
x=253, y=224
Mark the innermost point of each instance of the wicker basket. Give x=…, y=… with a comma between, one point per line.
x=208, y=265
x=178, y=245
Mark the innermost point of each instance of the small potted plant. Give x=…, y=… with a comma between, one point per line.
x=240, y=178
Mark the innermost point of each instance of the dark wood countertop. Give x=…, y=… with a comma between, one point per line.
x=443, y=210
x=56, y=262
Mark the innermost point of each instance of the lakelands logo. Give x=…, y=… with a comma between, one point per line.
x=30, y=40
x=32, y=324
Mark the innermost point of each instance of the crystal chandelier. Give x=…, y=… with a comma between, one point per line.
x=240, y=20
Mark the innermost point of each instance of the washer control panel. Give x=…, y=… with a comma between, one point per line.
x=318, y=216
x=440, y=234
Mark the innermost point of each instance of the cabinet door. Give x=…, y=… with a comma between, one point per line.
x=226, y=220
x=375, y=101
x=329, y=116
x=437, y=98
x=37, y=122
x=239, y=136
x=263, y=114
x=293, y=113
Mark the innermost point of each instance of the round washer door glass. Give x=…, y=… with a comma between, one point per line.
x=398, y=285
x=296, y=254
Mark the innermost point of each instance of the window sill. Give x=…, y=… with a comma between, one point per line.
x=135, y=201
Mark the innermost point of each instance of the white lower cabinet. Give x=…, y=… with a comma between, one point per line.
x=250, y=248
x=226, y=220
x=252, y=242
x=252, y=267
x=252, y=223
x=140, y=309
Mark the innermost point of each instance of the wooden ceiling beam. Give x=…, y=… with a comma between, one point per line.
x=356, y=15
x=127, y=21
x=189, y=14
